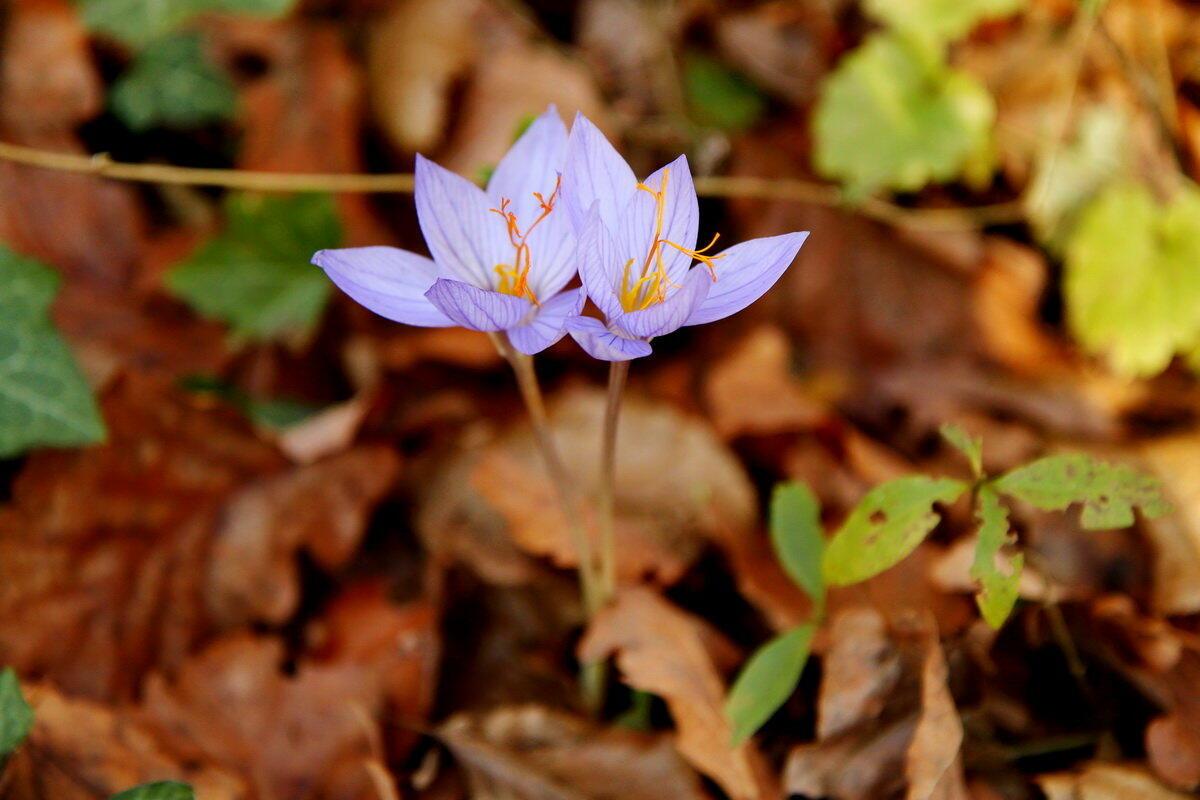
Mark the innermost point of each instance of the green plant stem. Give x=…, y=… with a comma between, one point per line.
x=617, y=373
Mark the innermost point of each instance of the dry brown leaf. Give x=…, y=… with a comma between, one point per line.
x=312, y=734
x=932, y=764
x=1176, y=537
x=865, y=766
x=1173, y=749
x=1006, y=300
x=50, y=86
x=535, y=753
x=416, y=51
x=322, y=508
x=1103, y=781
x=120, y=558
x=329, y=431
x=660, y=649
x=82, y=750
x=752, y=390
x=677, y=488
x=783, y=46
x=860, y=668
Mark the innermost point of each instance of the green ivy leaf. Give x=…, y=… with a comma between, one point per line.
x=171, y=83
x=44, y=399
x=797, y=537
x=943, y=20
x=998, y=588
x=970, y=446
x=886, y=526
x=16, y=717
x=1067, y=177
x=767, y=680
x=138, y=22
x=719, y=97
x=1131, y=281
x=1108, y=492
x=894, y=114
x=159, y=790
x=256, y=275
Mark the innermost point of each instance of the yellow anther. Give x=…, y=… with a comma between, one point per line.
x=514, y=277
x=652, y=284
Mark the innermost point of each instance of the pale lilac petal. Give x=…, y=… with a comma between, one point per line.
x=552, y=253
x=478, y=309
x=464, y=237
x=600, y=265
x=548, y=323
x=532, y=164
x=745, y=273
x=595, y=173
x=681, y=219
x=599, y=342
x=389, y=281
x=670, y=314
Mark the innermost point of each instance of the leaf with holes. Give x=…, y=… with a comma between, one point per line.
x=943, y=20
x=172, y=83
x=797, y=537
x=137, y=22
x=894, y=115
x=1108, y=492
x=886, y=526
x=159, y=790
x=44, y=399
x=16, y=717
x=998, y=588
x=1150, y=250
x=768, y=679
x=256, y=275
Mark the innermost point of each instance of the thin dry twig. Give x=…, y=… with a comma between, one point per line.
x=781, y=189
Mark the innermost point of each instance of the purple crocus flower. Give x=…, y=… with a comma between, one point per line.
x=637, y=246
x=500, y=258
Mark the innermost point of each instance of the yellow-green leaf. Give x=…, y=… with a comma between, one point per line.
x=940, y=19
x=1132, y=284
x=16, y=717
x=1108, y=492
x=172, y=83
x=159, y=790
x=895, y=115
x=997, y=587
x=970, y=446
x=886, y=526
x=767, y=680
x=797, y=537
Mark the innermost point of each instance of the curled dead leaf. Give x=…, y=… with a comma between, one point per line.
x=661, y=649
x=535, y=753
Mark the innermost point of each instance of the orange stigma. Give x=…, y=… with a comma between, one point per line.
x=651, y=285
x=514, y=277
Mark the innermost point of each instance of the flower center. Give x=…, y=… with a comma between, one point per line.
x=651, y=285
x=514, y=277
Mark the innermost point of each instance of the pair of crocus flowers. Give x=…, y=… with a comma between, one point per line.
x=556, y=206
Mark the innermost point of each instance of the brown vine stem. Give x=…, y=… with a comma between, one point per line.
x=783, y=189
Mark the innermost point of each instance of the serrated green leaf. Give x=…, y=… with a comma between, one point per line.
x=767, y=680
x=970, y=446
x=885, y=527
x=797, y=537
x=16, y=717
x=1108, y=492
x=1131, y=281
x=171, y=83
x=256, y=275
x=44, y=399
x=138, y=22
x=159, y=790
x=894, y=114
x=718, y=97
x=944, y=20
x=997, y=587
x=1065, y=178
